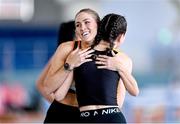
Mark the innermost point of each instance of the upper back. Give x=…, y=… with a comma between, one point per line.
x=95, y=86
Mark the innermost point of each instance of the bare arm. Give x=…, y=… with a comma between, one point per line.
x=56, y=74
x=39, y=83
x=121, y=92
x=58, y=94
x=128, y=80
x=121, y=63
x=40, y=86
x=62, y=91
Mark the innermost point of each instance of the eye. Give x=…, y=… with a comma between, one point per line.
x=87, y=22
x=77, y=25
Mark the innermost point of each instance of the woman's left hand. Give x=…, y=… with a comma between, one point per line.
x=112, y=63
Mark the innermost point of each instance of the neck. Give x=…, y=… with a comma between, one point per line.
x=102, y=45
x=85, y=44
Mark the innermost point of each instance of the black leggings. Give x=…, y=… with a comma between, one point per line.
x=61, y=113
x=105, y=115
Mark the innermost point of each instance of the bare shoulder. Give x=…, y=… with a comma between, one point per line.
x=66, y=45
x=63, y=50
x=125, y=57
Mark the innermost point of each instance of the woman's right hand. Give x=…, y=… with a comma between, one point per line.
x=78, y=57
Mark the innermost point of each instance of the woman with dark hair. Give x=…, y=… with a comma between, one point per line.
x=66, y=32
x=60, y=73
x=59, y=110
x=64, y=110
x=97, y=81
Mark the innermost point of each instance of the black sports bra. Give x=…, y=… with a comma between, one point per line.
x=96, y=86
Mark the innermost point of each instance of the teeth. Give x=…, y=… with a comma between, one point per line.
x=85, y=33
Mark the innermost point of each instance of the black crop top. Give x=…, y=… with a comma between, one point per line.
x=96, y=86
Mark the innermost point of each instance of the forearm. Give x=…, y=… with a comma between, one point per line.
x=121, y=92
x=61, y=92
x=49, y=97
x=55, y=80
x=57, y=74
x=129, y=82
x=39, y=84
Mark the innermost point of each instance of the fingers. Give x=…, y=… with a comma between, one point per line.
x=85, y=53
x=85, y=60
x=85, y=50
x=103, y=56
x=101, y=62
x=101, y=59
x=102, y=67
x=88, y=56
x=88, y=52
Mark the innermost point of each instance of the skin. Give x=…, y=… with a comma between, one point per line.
x=64, y=52
x=115, y=63
x=55, y=80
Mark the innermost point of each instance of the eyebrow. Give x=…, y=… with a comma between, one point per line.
x=83, y=20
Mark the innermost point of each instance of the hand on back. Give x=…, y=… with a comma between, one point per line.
x=115, y=63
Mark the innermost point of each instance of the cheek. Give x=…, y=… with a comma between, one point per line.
x=92, y=26
x=77, y=32
x=94, y=32
x=94, y=29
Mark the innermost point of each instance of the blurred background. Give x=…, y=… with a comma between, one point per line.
x=28, y=38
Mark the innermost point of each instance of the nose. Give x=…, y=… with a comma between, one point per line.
x=83, y=27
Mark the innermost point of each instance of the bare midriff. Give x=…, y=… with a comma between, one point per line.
x=70, y=99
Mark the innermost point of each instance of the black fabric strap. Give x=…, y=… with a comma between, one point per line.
x=115, y=51
x=75, y=45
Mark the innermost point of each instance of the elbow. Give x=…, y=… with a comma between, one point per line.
x=59, y=97
x=39, y=87
x=60, y=94
x=135, y=90
x=135, y=93
x=46, y=90
x=47, y=86
x=38, y=84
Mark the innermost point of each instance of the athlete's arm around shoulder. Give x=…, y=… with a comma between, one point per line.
x=57, y=74
x=125, y=70
x=40, y=80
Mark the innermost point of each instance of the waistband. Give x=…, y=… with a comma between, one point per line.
x=103, y=111
x=95, y=107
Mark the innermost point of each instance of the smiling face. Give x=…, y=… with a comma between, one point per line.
x=86, y=27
